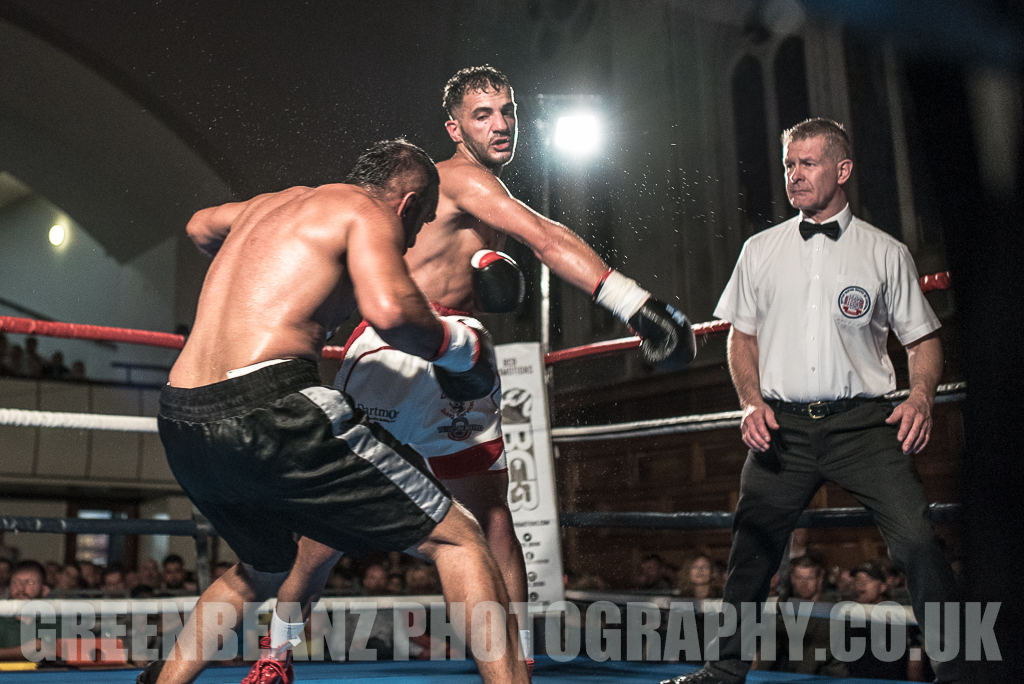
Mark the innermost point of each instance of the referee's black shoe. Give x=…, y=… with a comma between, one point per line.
x=706, y=675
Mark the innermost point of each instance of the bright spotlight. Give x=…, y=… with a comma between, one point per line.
x=577, y=134
x=57, y=235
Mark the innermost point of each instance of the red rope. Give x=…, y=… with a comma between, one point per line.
x=333, y=353
x=28, y=326
x=935, y=281
x=79, y=331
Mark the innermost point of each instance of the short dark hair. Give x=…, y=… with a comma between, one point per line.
x=387, y=161
x=30, y=565
x=871, y=569
x=808, y=561
x=173, y=558
x=837, y=142
x=471, y=78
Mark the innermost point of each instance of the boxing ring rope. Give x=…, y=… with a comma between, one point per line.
x=954, y=391
x=690, y=520
x=647, y=428
x=721, y=520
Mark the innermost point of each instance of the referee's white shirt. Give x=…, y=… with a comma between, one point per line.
x=821, y=310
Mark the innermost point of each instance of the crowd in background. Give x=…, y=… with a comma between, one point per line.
x=19, y=361
x=806, y=577
x=371, y=575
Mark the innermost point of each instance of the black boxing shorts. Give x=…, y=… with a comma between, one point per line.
x=273, y=454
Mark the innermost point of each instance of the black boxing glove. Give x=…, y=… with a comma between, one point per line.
x=498, y=284
x=667, y=340
x=465, y=367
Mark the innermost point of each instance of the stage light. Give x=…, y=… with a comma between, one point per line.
x=58, y=233
x=577, y=134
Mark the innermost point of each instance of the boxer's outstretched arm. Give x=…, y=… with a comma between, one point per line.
x=482, y=195
x=208, y=228
x=668, y=340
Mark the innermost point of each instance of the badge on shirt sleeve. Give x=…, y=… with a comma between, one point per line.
x=854, y=302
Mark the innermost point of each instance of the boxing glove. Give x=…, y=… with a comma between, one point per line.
x=465, y=367
x=498, y=284
x=667, y=340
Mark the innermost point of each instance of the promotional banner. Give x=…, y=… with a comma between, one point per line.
x=531, y=467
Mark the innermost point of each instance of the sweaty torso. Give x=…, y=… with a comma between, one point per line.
x=278, y=283
x=440, y=260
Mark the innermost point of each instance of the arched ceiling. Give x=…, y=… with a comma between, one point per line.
x=89, y=148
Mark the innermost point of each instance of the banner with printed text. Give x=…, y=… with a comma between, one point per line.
x=531, y=468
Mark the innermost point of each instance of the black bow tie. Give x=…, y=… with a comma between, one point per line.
x=829, y=230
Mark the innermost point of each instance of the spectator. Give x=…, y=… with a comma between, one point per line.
x=807, y=580
x=91, y=576
x=896, y=580
x=56, y=369
x=28, y=582
x=699, y=579
x=113, y=583
x=34, y=363
x=869, y=583
x=149, y=574
x=53, y=569
x=396, y=583
x=872, y=590
x=842, y=578
x=806, y=583
x=652, y=574
x=78, y=370
x=69, y=582
x=174, y=573
x=338, y=584
x=131, y=580
x=16, y=361
x=375, y=580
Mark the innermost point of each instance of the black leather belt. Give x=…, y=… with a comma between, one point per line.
x=820, y=409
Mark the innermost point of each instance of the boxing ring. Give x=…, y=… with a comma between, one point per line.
x=579, y=669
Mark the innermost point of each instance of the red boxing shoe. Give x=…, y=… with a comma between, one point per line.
x=268, y=670
x=529, y=667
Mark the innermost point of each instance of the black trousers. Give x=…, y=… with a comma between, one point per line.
x=857, y=450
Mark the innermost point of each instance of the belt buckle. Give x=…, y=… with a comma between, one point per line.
x=817, y=409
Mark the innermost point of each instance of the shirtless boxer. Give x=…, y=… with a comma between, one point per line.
x=462, y=441
x=266, y=453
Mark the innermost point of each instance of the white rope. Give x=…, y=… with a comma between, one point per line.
x=644, y=428
x=701, y=422
x=78, y=421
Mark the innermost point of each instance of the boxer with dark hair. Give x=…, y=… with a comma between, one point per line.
x=268, y=454
x=458, y=264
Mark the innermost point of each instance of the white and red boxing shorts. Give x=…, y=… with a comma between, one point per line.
x=399, y=391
